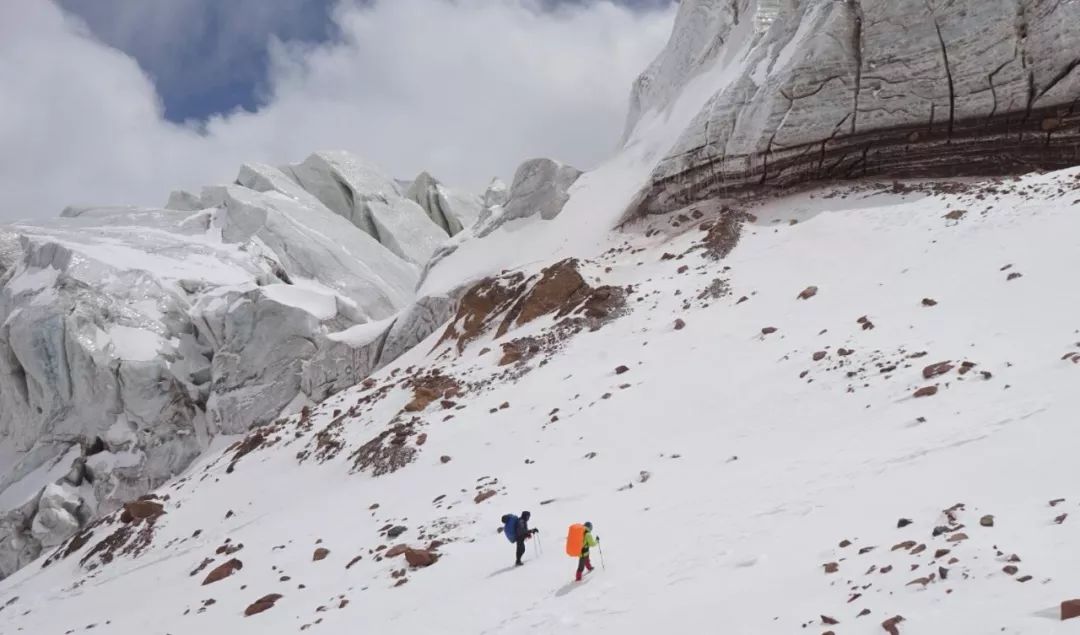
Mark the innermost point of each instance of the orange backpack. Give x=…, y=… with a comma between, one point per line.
x=575, y=540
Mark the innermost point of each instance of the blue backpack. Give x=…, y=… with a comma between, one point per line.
x=510, y=526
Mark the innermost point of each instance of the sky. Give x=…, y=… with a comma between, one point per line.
x=107, y=102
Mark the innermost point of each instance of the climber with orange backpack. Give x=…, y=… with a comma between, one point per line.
x=579, y=539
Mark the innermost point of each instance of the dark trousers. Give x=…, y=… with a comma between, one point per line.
x=520, y=550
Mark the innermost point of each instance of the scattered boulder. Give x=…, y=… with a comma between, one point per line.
x=933, y=370
x=420, y=557
x=831, y=567
x=819, y=355
x=929, y=302
x=483, y=496
x=830, y=621
x=903, y=522
x=396, y=531
x=768, y=330
x=1070, y=609
x=1010, y=569
x=621, y=369
x=926, y=391
x=444, y=459
x=396, y=551
x=141, y=510
x=1060, y=519
x=941, y=553
x=891, y=625
x=808, y=293
x=223, y=571
x=987, y=520
x=1056, y=502
x=262, y=604
x=957, y=537
x=679, y=324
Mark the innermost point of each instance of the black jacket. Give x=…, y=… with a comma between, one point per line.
x=522, y=529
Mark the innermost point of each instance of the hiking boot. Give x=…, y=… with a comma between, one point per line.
x=577, y=578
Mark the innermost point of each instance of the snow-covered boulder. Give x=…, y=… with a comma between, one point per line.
x=497, y=193
x=540, y=188
x=184, y=201
x=369, y=199
x=449, y=209
x=57, y=515
x=823, y=89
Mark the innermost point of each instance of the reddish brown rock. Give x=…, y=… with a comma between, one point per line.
x=262, y=604
x=320, y=554
x=830, y=621
x=679, y=324
x=863, y=613
x=223, y=571
x=621, y=369
x=891, y=625
x=933, y=370
x=483, y=496
x=907, y=544
x=845, y=543
x=141, y=510
x=420, y=557
x=396, y=551
x=354, y=561
x=820, y=355
x=1070, y=609
x=957, y=537
x=956, y=214
x=941, y=553
x=918, y=549
x=1010, y=569
x=808, y=293
x=926, y=391
x=887, y=568
x=831, y=567
x=421, y=438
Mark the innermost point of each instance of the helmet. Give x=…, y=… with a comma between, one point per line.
x=588, y=525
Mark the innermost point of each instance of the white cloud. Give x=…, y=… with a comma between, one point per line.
x=464, y=88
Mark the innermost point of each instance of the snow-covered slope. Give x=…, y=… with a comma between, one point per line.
x=729, y=396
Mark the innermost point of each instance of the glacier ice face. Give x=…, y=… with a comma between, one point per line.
x=823, y=89
x=130, y=337
x=449, y=209
x=361, y=193
x=541, y=188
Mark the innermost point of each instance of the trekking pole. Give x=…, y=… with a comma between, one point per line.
x=601, y=550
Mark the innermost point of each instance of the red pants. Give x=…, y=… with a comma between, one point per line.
x=583, y=564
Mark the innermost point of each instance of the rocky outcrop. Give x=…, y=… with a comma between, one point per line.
x=900, y=88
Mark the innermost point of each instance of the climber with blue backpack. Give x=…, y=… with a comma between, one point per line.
x=517, y=531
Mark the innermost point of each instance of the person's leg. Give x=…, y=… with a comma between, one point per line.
x=520, y=551
x=581, y=567
x=588, y=563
